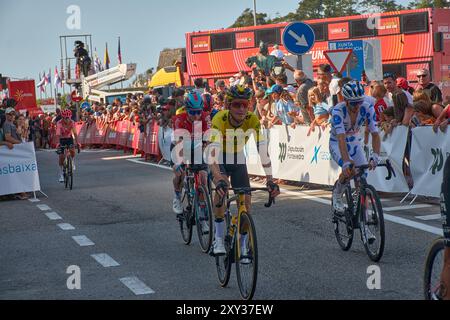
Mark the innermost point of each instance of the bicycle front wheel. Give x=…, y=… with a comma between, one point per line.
x=372, y=224
x=203, y=214
x=186, y=219
x=246, y=257
x=433, y=269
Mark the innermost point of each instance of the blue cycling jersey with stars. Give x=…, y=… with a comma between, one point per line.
x=341, y=122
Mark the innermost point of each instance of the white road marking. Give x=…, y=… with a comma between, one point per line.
x=150, y=164
x=136, y=285
x=53, y=216
x=43, y=207
x=121, y=157
x=66, y=226
x=408, y=207
x=430, y=217
x=105, y=260
x=413, y=224
x=388, y=217
x=83, y=241
x=34, y=200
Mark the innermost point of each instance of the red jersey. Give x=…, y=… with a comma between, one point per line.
x=64, y=130
x=182, y=121
x=380, y=106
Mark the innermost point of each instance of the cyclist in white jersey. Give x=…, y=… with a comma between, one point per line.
x=345, y=141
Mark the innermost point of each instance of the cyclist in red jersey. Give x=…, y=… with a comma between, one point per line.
x=192, y=124
x=65, y=134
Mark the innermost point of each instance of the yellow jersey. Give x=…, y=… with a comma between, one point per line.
x=224, y=134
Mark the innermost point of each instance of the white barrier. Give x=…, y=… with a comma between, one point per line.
x=298, y=157
x=164, y=141
x=18, y=169
x=392, y=148
x=429, y=152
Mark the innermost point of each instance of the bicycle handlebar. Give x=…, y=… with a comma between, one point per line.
x=244, y=190
x=387, y=164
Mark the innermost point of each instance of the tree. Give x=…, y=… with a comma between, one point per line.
x=418, y=4
x=378, y=6
x=246, y=19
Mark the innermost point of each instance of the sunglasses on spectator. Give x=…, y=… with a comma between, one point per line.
x=421, y=75
x=192, y=112
x=239, y=105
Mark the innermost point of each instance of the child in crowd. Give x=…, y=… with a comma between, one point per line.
x=320, y=108
x=422, y=116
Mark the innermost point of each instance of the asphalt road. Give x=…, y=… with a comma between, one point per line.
x=125, y=209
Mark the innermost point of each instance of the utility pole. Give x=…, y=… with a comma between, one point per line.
x=254, y=11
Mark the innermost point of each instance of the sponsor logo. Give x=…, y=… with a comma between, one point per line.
x=316, y=153
x=283, y=152
x=17, y=168
x=438, y=161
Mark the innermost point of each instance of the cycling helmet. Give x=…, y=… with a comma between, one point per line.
x=193, y=100
x=238, y=92
x=66, y=114
x=353, y=91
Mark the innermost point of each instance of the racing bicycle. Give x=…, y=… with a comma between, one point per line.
x=197, y=209
x=433, y=269
x=363, y=211
x=235, y=241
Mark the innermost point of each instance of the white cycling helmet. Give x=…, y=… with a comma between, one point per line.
x=353, y=91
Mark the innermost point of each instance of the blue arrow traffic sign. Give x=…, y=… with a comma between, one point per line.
x=298, y=38
x=85, y=105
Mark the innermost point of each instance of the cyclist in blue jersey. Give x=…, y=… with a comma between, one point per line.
x=346, y=148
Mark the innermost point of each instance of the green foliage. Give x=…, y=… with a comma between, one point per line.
x=318, y=9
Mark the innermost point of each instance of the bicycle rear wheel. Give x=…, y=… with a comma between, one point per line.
x=186, y=219
x=224, y=262
x=371, y=216
x=247, y=261
x=203, y=214
x=433, y=269
x=343, y=225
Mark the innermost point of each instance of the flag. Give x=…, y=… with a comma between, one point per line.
x=57, y=78
x=98, y=67
x=49, y=76
x=46, y=79
x=119, y=54
x=40, y=85
x=106, y=59
x=68, y=71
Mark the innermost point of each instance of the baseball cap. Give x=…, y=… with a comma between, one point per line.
x=10, y=110
x=402, y=83
x=424, y=72
x=274, y=89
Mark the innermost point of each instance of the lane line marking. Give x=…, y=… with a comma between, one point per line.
x=413, y=224
x=388, y=217
x=43, y=207
x=66, y=226
x=150, y=164
x=105, y=260
x=121, y=157
x=83, y=241
x=136, y=286
x=408, y=207
x=430, y=217
x=53, y=216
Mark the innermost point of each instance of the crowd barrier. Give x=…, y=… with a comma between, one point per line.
x=18, y=169
x=298, y=157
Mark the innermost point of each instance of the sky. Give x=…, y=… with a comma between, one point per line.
x=30, y=30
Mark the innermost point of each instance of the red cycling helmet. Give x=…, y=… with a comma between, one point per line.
x=66, y=114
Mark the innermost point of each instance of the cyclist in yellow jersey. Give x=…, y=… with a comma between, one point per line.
x=230, y=130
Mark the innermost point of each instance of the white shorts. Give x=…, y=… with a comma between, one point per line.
x=355, y=151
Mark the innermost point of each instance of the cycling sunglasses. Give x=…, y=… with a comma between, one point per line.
x=194, y=112
x=239, y=105
x=355, y=103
